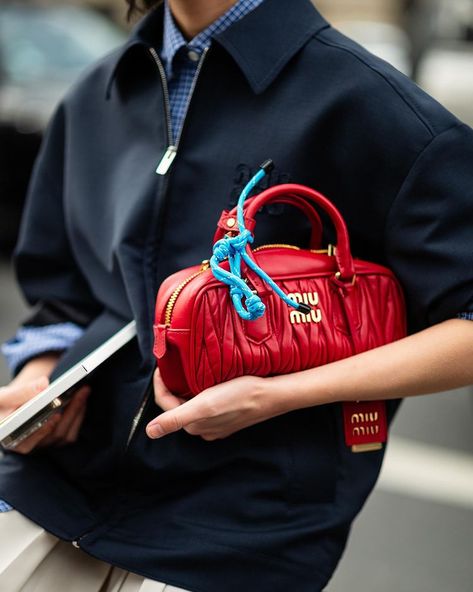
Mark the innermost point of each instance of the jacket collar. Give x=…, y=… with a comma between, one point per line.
x=261, y=43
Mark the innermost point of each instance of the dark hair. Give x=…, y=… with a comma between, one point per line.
x=141, y=5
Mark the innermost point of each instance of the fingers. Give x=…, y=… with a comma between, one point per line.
x=163, y=396
x=27, y=445
x=67, y=429
x=175, y=419
x=75, y=426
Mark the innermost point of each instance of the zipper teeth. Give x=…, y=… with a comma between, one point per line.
x=137, y=417
x=167, y=102
x=284, y=246
x=275, y=246
x=175, y=295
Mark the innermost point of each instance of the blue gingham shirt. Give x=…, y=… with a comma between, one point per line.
x=180, y=60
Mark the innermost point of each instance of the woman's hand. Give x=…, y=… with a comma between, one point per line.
x=60, y=428
x=216, y=412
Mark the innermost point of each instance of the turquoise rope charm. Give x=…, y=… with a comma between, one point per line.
x=233, y=248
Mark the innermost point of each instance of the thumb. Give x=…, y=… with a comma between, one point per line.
x=175, y=419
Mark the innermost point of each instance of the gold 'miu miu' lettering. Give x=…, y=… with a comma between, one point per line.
x=310, y=298
x=365, y=417
x=366, y=431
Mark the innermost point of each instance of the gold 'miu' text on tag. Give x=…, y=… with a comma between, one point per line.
x=310, y=298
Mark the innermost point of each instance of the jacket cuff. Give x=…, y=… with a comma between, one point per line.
x=465, y=315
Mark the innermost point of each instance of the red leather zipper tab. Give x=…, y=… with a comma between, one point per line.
x=365, y=425
x=160, y=340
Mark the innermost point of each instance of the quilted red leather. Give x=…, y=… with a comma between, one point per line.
x=356, y=305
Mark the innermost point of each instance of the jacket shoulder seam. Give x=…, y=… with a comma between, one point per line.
x=358, y=57
x=413, y=165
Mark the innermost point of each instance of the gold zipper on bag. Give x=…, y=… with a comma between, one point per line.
x=276, y=246
x=329, y=251
x=206, y=264
x=175, y=295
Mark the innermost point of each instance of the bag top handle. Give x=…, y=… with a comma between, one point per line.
x=342, y=252
x=228, y=219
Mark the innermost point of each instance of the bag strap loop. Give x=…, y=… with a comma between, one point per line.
x=227, y=222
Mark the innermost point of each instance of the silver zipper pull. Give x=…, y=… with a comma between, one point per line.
x=167, y=160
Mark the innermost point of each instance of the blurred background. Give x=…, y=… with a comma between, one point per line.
x=416, y=532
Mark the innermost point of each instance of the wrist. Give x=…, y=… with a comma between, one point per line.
x=299, y=390
x=284, y=393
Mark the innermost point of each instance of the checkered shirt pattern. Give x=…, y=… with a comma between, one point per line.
x=31, y=341
x=180, y=68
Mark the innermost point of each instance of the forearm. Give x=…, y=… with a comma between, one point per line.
x=436, y=359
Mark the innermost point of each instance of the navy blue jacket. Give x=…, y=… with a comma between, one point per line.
x=267, y=509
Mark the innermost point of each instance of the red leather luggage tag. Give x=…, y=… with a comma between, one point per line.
x=365, y=425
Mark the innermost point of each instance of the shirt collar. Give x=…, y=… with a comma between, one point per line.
x=261, y=42
x=173, y=39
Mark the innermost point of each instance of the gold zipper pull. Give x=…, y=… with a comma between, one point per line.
x=167, y=160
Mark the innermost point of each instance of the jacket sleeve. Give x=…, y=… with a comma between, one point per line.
x=48, y=275
x=429, y=232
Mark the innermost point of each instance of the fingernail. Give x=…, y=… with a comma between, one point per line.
x=154, y=431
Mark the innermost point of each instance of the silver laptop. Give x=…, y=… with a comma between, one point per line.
x=35, y=413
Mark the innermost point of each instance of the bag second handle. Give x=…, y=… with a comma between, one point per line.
x=291, y=193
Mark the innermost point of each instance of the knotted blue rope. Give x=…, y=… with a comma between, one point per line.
x=233, y=248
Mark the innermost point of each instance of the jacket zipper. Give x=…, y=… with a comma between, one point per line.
x=77, y=541
x=139, y=414
x=171, y=151
x=162, y=169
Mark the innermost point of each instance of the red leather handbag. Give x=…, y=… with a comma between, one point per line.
x=346, y=306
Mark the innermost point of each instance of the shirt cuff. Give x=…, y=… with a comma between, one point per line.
x=465, y=315
x=4, y=507
x=30, y=342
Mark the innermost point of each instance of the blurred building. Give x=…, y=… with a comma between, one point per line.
x=387, y=11
x=334, y=10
